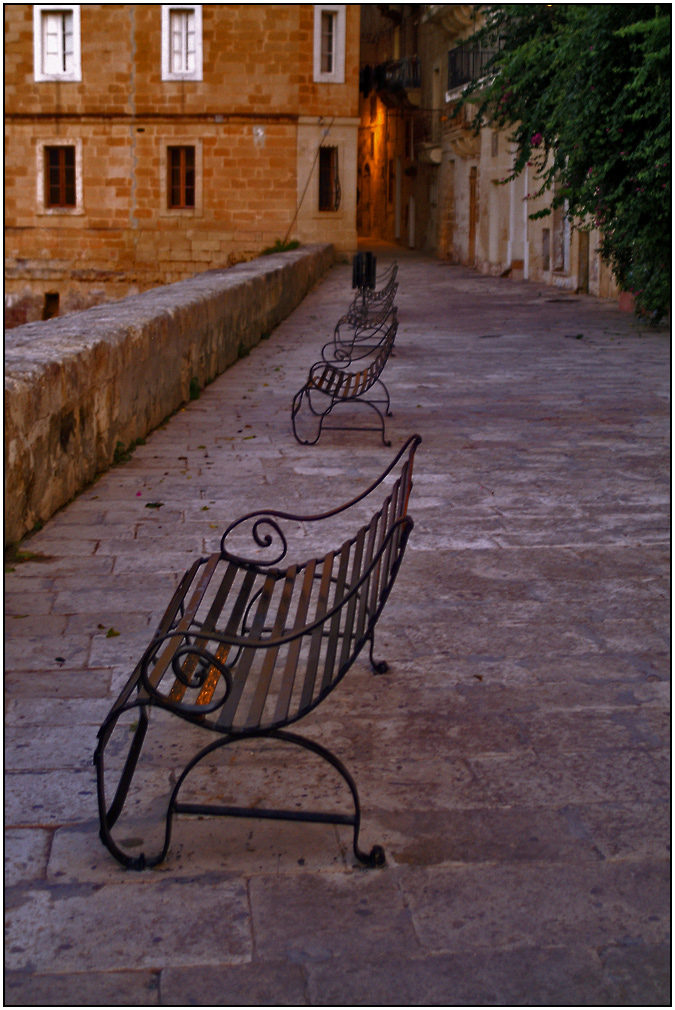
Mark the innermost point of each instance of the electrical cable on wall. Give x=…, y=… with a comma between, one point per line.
x=311, y=173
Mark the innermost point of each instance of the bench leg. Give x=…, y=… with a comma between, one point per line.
x=322, y=415
x=387, y=409
x=379, y=666
x=295, y=410
x=374, y=858
x=108, y=815
x=354, y=427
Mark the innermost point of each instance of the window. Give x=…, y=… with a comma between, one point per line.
x=546, y=248
x=181, y=177
x=410, y=140
x=181, y=42
x=329, y=179
x=329, y=43
x=56, y=42
x=59, y=176
x=60, y=190
x=328, y=19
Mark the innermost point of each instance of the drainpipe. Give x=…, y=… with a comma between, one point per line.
x=132, y=103
x=526, y=243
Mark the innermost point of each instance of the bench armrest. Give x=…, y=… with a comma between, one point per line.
x=267, y=533
x=362, y=339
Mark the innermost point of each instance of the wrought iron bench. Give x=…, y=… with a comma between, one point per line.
x=350, y=343
x=360, y=329
x=364, y=275
x=367, y=293
x=349, y=381
x=246, y=648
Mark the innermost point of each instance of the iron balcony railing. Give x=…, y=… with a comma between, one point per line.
x=467, y=63
x=398, y=74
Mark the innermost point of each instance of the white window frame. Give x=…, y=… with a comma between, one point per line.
x=39, y=13
x=337, y=75
x=42, y=207
x=168, y=74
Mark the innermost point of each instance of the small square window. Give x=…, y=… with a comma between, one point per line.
x=329, y=43
x=56, y=42
x=181, y=177
x=181, y=42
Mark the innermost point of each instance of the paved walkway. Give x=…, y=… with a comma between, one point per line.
x=514, y=761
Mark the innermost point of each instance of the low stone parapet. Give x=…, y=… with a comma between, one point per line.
x=78, y=386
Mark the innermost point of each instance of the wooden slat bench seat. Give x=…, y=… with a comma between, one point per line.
x=352, y=379
x=246, y=648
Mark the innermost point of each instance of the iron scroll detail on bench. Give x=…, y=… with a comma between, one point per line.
x=348, y=380
x=368, y=303
x=246, y=648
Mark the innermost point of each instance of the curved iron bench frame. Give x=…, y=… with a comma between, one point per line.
x=368, y=297
x=360, y=331
x=197, y=656
x=332, y=383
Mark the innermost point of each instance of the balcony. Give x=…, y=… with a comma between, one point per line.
x=397, y=81
x=467, y=63
x=403, y=73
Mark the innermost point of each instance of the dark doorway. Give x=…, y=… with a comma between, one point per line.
x=51, y=305
x=473, y=214
x=582, y=280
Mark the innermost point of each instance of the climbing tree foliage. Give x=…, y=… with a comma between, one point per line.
x=584, y=91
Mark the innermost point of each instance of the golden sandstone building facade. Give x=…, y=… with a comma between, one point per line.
x=146, y=143
x=149, y=142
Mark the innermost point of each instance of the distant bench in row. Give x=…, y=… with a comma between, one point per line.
x=354, y=378
x=352, y=363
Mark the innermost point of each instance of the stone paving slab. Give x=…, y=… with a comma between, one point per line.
x=514, y=762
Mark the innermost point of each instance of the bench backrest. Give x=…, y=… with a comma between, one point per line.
x=341, y=382
x=368, y=312
x=286, y=637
